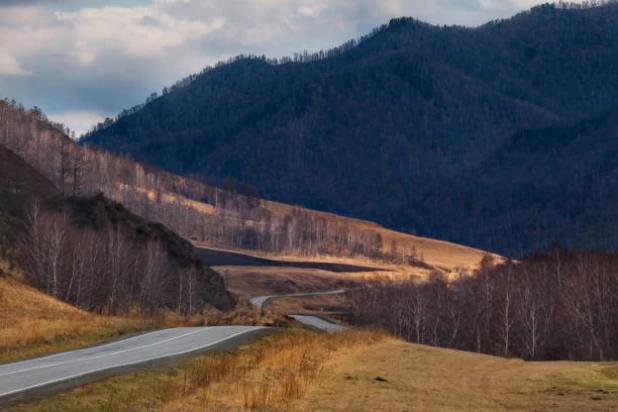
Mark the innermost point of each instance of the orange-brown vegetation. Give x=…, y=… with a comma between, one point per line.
x=398, y=376
x=32, y=323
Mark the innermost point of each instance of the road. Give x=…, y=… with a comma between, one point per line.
x=41, y=376
x=318, y=322
x=312, y=321
x=259, y=301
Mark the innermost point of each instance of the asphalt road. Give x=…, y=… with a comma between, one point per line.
x=318, y=322
x=40, y=376
x=259, y=301
x=313, y=321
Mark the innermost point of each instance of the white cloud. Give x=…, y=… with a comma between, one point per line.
x=139, y=31
x=9, y=66
x=79, y=121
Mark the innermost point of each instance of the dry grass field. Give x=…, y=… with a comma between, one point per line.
x=302, y=371
x=247, y=280
x=32, y=323
x=396, y=376
x=440, y=254
x=250, y=281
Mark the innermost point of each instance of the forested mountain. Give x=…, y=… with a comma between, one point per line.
x=498, y=137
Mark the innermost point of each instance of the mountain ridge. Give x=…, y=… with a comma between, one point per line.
x=373, y=131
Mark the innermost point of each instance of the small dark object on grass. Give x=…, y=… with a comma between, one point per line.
x=380, y=379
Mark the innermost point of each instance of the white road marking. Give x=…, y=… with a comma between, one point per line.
x=37, y=359
x=128, y=364
x=69, y=361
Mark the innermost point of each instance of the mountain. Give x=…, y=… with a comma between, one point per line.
x=561, y=180
x=404, y=127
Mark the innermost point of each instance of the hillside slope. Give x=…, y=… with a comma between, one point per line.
x=88, y=250
x=553, y=184
x=33, y=323
x=383, y=130
x=397, y=376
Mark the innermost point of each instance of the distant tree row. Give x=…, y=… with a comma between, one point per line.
x=105, y=272
x=560, y=305
x=584, y=5
x=232, y=216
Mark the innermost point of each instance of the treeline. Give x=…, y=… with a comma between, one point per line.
x=559, y=305
x=105, y=271
x=231, y=217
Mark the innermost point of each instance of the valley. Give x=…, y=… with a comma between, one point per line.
x=424, y=218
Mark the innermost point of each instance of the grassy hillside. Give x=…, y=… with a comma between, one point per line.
x=386, y=128
x=397, y=376
x=33, y=323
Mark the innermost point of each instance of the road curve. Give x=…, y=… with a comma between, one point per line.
x=259, y=301
x=318, y=322
x=41, y=376
x=312, y=321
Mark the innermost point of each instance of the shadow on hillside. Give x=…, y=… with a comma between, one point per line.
x=223, y=258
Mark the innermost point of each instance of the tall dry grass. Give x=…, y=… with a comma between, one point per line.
x=269, y=375
x=32, y=323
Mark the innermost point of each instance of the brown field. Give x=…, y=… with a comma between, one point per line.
x=398, y=376
x=352, y=371
x=248, y=280
x=442, y=255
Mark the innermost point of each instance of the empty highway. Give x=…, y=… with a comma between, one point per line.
x=40, y=376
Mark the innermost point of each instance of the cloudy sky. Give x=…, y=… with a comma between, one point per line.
x=83, y=60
